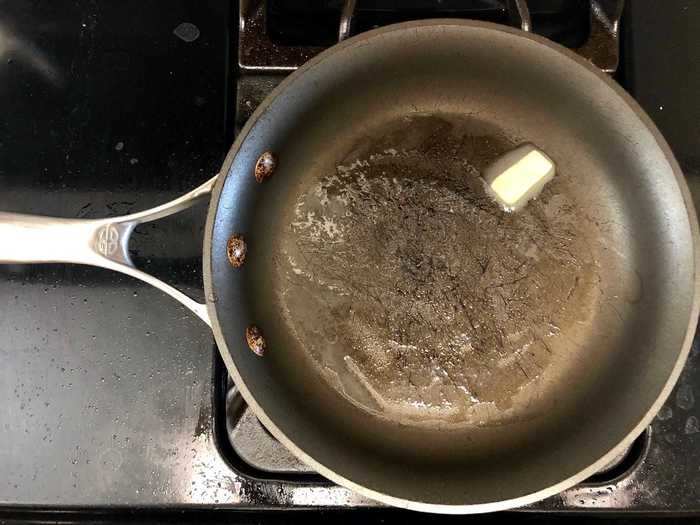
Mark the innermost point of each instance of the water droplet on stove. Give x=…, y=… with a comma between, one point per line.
x=187, y=32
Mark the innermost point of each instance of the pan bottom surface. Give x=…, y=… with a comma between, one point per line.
x=416, y=296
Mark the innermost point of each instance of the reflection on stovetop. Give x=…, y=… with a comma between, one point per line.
x=113, y=394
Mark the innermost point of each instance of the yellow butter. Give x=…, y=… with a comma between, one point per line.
x=519, y=176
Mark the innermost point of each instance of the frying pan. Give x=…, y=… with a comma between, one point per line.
x=421, y=346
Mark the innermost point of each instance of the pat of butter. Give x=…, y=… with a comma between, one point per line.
x=519, y=176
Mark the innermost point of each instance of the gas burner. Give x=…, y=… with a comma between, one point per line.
x=278, y=37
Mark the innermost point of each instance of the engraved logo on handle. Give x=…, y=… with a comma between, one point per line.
x=107, y=240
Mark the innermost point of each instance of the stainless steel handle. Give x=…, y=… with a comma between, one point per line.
x=96, y=242
x=346, y=15
x=520, y=14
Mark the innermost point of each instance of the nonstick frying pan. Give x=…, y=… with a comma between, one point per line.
x=419, y=345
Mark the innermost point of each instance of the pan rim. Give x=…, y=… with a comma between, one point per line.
x=440, y=507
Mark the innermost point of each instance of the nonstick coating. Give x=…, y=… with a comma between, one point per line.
x=611, y=365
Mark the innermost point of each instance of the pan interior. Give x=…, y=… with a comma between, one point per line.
x=416, y=296
x=421, y=342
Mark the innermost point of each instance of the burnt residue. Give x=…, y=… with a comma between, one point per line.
x=236, y=250
x=261, y=494
x=203, y=422
x=424, y=298
x=603, y=45
x=257, y=52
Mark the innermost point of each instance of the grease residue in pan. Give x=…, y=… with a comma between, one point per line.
x=422, y=299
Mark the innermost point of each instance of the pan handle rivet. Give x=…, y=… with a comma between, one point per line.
x=236, y=249
x=265, y=166
x=255, y=340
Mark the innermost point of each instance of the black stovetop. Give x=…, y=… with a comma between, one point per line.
x=113, y=395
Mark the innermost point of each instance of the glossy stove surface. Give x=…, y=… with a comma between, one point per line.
x=114, y=395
